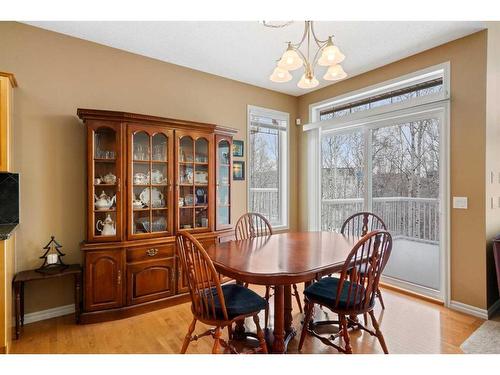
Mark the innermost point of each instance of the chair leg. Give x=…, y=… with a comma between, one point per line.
x=378, y=333
x=379, y=295
x=260, y=335
x=217, y=334
x=307, y=319
x=345, y=334
x=187, y=339
x=230, y=332
x=266, y=310
x=297, y=297
x=365, y=318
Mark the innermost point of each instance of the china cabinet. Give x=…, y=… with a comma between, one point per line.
x=149, y=178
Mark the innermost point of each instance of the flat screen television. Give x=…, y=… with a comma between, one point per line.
x=9, y=198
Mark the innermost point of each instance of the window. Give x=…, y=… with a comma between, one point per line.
x=425, y=88
x=268, y=164
x=384, y=149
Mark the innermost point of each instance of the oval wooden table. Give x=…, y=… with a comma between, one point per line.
x=281, y=260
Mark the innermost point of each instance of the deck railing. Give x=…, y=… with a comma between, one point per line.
x=414, y=218
x=266, y=202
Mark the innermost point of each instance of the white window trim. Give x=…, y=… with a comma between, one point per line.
x=284, y=172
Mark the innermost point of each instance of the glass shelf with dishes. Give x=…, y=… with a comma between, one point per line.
x=104, y=175
x=150, y=188
x=223, y=192
x=193, y=182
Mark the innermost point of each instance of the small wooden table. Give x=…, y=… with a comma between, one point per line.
x=32, y=275
x=282, y=260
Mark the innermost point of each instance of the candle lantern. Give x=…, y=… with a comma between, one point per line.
x=52, y=258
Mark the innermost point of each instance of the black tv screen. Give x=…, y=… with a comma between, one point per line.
x=9, y=198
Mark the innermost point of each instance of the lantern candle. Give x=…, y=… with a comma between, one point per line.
x=51, y=258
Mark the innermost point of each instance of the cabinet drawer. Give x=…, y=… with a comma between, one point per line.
x=137, y=254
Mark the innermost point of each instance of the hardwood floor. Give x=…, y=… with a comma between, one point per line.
x=410, y=325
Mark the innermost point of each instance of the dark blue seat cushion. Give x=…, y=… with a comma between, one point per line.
x=325, y=292
x=239, y=301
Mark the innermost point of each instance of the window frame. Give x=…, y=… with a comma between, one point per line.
x=432, y=72
x=374, y=118
x=284, y=161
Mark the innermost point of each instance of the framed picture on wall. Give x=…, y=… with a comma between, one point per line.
x=238, y=147
x=238, y=170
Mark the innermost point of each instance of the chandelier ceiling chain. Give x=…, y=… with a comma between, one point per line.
x=293, y=58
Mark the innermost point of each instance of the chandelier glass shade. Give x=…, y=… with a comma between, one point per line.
x=327, y=55
x=280, y=75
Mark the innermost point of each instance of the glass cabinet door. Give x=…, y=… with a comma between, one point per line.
x=223, y=191
x=105, y=179
x=150, y=185
x=193, y=173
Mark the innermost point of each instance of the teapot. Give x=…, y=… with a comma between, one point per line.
x=108, y=227
x=103, y=202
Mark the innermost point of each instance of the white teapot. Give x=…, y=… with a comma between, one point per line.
x=107, y=227
x=103, y=202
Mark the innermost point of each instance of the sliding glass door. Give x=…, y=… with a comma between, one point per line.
x=394, y=169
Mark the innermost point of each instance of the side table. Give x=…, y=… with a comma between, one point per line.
x=32, y=275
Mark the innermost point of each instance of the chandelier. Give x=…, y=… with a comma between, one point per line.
x=293, y=58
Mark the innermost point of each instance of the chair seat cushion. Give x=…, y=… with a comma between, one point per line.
x=325, y=292
x=239, y=301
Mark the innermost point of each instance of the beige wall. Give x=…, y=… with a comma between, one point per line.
x=467, y=57
x=492, y=153
x=56, y=75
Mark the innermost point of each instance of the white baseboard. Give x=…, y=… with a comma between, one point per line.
x=468, y=309
x=48, y=314
x=494, y=308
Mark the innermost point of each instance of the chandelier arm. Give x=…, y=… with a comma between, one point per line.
x=306, y=30
x=317, y=54
x=320, y=43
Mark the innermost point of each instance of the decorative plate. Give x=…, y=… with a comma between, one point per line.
x=157, y=200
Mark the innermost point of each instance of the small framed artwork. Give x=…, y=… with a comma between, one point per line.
x=238, y=170
x=238, y=149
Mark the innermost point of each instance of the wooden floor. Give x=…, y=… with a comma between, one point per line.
x=409, y=325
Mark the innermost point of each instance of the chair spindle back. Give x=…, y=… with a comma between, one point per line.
x=371, y=254
x=252, y=225
x=202, y=278
x=361, y=223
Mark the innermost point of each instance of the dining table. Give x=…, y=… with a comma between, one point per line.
x=281, y=260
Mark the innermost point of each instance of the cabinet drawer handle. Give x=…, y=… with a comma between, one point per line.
x=152, y=252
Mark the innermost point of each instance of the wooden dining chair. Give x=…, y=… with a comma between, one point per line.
x=351, y=294
x=360, y=224
x=213, y=304
x=251, y=225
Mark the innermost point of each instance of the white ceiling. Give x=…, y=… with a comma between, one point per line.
x=247, y=51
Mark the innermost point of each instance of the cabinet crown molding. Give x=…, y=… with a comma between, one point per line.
x=97, y=114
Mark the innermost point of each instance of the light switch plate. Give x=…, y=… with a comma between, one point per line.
x=460, y=202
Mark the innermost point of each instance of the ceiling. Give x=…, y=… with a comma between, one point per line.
x=246, y=51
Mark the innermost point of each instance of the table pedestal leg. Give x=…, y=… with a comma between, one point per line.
x=288, y=309
x=239, y=331
x=279, y=319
